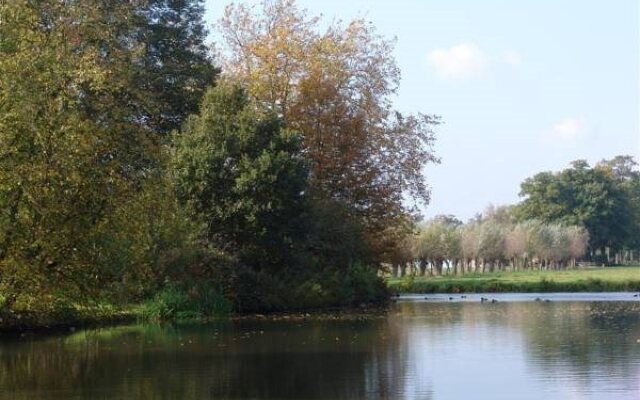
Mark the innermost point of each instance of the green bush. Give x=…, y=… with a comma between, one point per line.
x=408, y=282
x=185, y=302
x=364, y=285
x=546, y=285
x=262, y=291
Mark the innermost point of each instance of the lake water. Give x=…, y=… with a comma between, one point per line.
x=583, y=346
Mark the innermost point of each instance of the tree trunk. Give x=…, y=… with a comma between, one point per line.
x=423, y=267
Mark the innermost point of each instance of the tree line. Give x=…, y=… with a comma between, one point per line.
x=581, y=213
x=604, y=199
x=132, y=160
x=445, y=245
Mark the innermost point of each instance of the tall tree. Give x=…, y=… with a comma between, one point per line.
x=175, y=66
x=242, y=174
x=335, y=87
x=624, y=170
x=66, y=144
x=582, y=196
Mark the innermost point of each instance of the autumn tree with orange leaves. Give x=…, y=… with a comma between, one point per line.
x=335, y=86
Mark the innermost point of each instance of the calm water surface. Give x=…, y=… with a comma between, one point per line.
x=574, y=347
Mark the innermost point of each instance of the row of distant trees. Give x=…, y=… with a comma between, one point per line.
x=580, y=213
x=445, y=245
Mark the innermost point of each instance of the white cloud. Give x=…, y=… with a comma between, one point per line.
x=512, y=58
x=462, y=61
x=568, y=131
x=468, y=60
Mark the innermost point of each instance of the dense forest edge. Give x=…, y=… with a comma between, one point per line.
x=142, y=177
x=138, y=169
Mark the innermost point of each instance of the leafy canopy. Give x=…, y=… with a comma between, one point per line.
x=335, y=86
x=582, y=196
x=242, y=174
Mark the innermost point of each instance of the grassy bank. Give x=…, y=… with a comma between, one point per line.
x=139, y=314
x=196, y=301
x=613, y=279
x=172, y=304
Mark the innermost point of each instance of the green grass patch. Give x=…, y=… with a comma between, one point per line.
x=179, y=302
x=611, y=279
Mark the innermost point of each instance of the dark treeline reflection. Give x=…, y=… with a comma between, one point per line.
x=270, y=360
x=420, y=350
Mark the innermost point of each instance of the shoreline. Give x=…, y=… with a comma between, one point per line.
x=583, y=280
x=21, y=326
x=462, y=285
x=126, y=317
x=624, y=297
x=591, y=280
x=130, y=317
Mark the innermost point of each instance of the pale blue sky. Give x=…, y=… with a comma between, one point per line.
x=522, y=86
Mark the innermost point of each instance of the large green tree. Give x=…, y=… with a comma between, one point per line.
x=243, y=175
x=624, y=170
x=66, y=144
x=334, y=84
x=174, y=66
x=583, y=196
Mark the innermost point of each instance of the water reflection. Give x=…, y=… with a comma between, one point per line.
x=421, y=350
x=565, y=350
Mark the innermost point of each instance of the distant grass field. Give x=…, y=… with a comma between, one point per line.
x=611, y=279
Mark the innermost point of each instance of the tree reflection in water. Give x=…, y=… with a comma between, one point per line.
x=421, y=350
